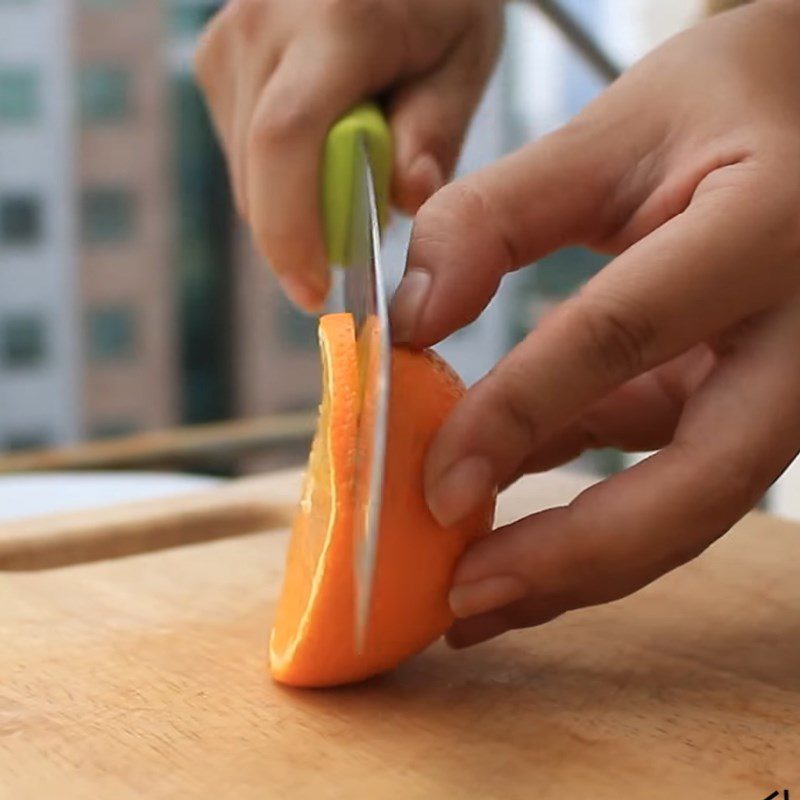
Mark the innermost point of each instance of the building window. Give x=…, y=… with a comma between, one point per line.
x=104, y=93
x=111, y=333
x=110, y=4
x=20, y=220
x=27, y=440
x=19, y=94
x=22, y=341
x=296, y=331
x=114, y=429
x=107, y=215
x=189, y=18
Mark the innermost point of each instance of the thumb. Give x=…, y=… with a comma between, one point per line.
x=567, y=188
x=430, y=116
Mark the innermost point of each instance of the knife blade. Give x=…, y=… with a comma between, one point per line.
x=360, y=147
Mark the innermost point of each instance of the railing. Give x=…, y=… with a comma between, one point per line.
x=579, y=38
x=217, y=447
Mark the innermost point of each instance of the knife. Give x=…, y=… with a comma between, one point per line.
x=355, y=195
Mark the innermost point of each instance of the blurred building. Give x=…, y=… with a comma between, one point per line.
x=245, y=350
x=87, y=334
x=39, y=380
x=129, y=297
x=122, y=199
x=128, y=300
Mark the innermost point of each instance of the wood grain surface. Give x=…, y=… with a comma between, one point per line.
x=144, y=677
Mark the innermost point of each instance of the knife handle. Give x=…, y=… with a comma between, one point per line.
x=339, y=173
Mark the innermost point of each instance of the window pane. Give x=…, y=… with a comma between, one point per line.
x=113, y=429
x=190, y=17
x=111, y=333
x=20, y=220
x=107, y=215
x=19, y=94
x=22, y=341
x=27, y=440
x=295, y=329
x=104, y=93
x=106, y=3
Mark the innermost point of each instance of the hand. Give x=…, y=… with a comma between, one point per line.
x=688, y=170
x=278, y=73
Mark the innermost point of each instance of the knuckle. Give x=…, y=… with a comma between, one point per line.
x=450, y=211
x=240, y=20
x=206, y=55
x=466, y=201
x=248, y=16
x=279, y=125
x=357, y=13
x=508, y=385
x=617, y=339
x=464, y=207
x=373, y=19
x=739, y=480
x=782, y=228
x=201, y=63
x=584, y=569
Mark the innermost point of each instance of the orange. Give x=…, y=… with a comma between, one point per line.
x=313, y=638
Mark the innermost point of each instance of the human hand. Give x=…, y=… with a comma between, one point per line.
x=688, y=170
x=278, y=74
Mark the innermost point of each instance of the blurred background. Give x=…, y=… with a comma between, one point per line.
x=131, y=301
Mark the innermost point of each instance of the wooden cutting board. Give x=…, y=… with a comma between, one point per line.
x=144, y=677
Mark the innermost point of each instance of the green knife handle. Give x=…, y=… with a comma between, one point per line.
x=339, y=173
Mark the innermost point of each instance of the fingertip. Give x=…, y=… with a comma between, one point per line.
x=453, y=494
x=408, y=303
x=487, y=594
x=453, y=240
x=468, y=632
x=416, y=183
x=454, y=639
x=308, y=293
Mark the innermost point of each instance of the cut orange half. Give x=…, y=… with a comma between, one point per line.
x=313, y=638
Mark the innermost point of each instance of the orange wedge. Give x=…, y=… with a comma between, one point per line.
x=313, y=638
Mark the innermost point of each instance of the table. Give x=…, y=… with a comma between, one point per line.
x=144, y=676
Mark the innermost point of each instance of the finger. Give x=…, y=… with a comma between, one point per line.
x=576, y=185
x=213, y=62
x=641, y=415
x=323, y=73
x=737, y=435
x=469, y=631
x=571, y=186
x=480, y=628
x=235, y=57
x=687, y=281
x=250, y=82
x=430, y=116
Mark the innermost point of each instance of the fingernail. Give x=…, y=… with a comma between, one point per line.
x=460, y=489
x=407, y=304
x=426, y=175
x=309, y=293
x=488, y=594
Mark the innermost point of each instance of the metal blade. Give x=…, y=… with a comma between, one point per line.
x=365, y=298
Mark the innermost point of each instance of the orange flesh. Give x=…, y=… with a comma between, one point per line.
x=316, y=516
x=313, y=639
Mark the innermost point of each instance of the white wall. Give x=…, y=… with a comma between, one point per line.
x=38, y=158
